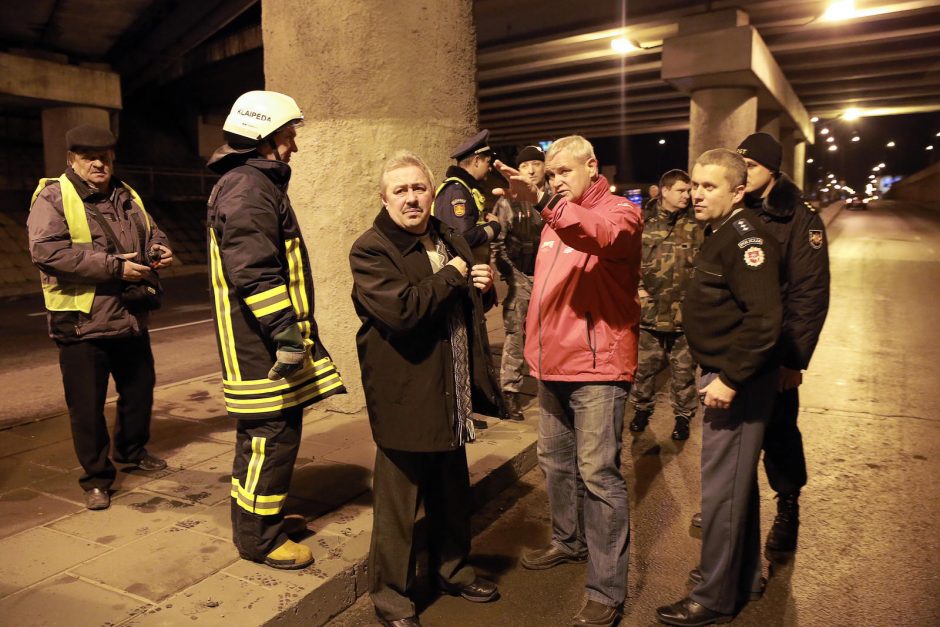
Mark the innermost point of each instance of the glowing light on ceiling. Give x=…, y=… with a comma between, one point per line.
x=841, y=10
x=824, y=131
x=852, y=113
x=623, y=45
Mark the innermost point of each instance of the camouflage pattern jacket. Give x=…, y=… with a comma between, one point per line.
x=670, y=243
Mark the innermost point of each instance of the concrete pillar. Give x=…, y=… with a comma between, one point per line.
x=56, y=121
x=720, y=118
x=411, y=85
x=794, y=157
x=768, y=122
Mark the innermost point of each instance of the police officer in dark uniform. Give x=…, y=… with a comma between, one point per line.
x=732, y=315
x=459, y=201
x=805, y=283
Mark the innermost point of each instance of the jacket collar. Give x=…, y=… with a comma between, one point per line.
x=781, y=202
x=595, y=193
x=85, y=191
x=455, y=171
x=403, y=240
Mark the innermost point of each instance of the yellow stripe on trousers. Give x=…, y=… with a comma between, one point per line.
x=223, y=311
x=254, y=465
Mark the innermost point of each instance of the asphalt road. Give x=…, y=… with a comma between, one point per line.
x=181, y=335
x=870, y=546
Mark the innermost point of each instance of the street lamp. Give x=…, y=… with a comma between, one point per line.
x=930, y=147
x=814, y=119
x=623, y=45
x=809, y=160
x=890, y=144
x=842, y=10
x=662, y=142
x=824, y=131
x=856, y=138
x=852, y=113
x=833, y=148
x=830, y=139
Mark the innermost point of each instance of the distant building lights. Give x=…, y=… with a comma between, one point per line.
x=830, y=139
x=814, y=119
x=856, y=138
x=809, y=160
x=881, y=165
x=930, y=147
x=833, y=148
x=662, y=142
x=890, y=144
x=824, y=131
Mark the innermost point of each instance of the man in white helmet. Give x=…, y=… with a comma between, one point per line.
x=273, y=363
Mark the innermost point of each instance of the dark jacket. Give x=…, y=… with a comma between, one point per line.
x=51, y=249
x=517, y=244
x=732, y=309
x=404, y=342
x=261, y=282
x=670, y=243
x=805, y=259
x=459, y=205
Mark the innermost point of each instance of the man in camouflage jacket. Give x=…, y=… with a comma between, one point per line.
x=671, y=238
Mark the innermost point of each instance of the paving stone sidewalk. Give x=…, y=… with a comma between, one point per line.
x=162, y=554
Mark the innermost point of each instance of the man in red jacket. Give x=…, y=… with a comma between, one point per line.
x=581, y=345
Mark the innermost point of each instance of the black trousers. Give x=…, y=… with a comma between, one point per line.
x=784, y=459
x=86, y=367
x=402, y=480
x=265, y=452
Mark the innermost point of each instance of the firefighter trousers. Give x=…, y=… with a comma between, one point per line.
x=265, y=452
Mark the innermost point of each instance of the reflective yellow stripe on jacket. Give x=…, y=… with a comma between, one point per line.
x=223, y=310
x=261, y=396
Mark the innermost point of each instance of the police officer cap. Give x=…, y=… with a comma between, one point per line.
x=89, y=137
x=476, y=145
x=530, y=153
x=763, y=149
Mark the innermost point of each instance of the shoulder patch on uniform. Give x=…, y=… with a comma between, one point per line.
x=816, y=238
x=751, y=241
x=754, y=257
x=742, y=226
x=460, y=207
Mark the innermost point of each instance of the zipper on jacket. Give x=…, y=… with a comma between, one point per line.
x=592, y=342
x=542, y=299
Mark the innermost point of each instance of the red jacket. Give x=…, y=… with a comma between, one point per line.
x=584, y=314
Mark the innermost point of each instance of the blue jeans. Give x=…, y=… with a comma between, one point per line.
x=579, y=452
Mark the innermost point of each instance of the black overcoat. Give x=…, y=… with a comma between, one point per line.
x=404, y=346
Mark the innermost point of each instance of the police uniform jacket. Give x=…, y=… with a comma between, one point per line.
x=732, y=310
x=51, y=249
x=805, y=260
x=261, y=284
x=404, y=346
x=670, y=242
x=459, y=205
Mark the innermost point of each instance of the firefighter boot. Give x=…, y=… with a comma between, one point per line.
x=289, y=556
x=640, y=420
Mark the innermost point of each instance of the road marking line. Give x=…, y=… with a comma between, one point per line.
x=177, y=326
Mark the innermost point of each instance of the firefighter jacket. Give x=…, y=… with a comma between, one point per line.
x=261, y=284
x=79, y=268
x=799, y=230
x=670, y=243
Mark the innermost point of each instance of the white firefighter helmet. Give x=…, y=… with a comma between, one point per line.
x=258, y=114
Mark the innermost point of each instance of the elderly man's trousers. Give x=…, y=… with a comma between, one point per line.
x=402, y=481
x=265, y=452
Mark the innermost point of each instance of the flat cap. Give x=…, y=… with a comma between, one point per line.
x=530, y=153
x=476, y=145
x=89, y=137
x=762, y=148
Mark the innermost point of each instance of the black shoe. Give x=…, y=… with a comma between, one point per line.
x=513, y=406
x=410, y=621
x=480, y=591
x=688, y=613
x=695, y=578
x=697, y=520
x=479, y=424
x=150, y=463
x=96, y=498
x=783, y=534
x=640, y=420
x=681, y=431
x=541, y=559
x=597, y=614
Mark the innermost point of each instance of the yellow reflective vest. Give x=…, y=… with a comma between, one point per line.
x=62, y=295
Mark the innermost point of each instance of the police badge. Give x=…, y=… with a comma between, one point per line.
x=816, y=239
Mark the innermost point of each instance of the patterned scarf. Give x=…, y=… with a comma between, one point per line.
x=460, y=345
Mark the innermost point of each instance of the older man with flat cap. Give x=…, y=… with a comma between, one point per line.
x=459, y=201
x=97, y=249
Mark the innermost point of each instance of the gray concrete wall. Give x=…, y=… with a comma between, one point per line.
x=923, y=186
x=371, y=78
x=720, y=118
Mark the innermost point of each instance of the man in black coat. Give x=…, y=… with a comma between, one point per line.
x=426, y=365
x=805, y=291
